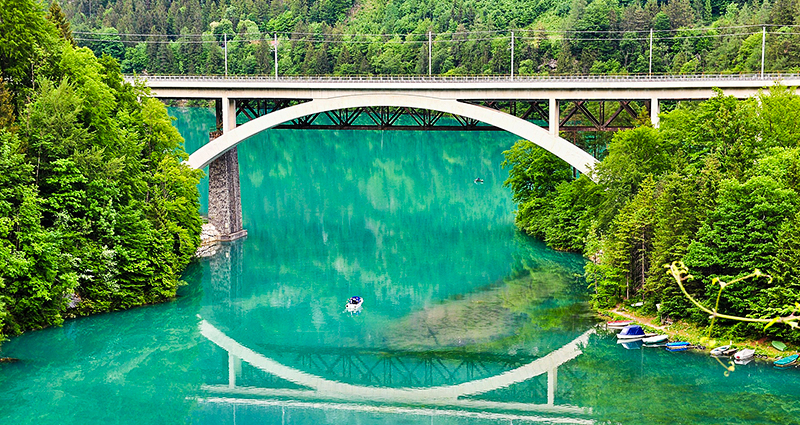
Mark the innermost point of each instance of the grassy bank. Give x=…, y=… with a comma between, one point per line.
x=683, y=331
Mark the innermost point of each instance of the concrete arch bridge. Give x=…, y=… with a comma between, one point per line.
x=538, y=109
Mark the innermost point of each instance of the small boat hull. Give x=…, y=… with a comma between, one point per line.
x=678, y=346
x=779, y=345
x=745, y=354
x=618, y=324
x=631, y=332
x=655, y=339
x=786, y=362
x=353, y=305
x=720, y=351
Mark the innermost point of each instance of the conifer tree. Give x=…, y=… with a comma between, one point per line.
x=56, y=16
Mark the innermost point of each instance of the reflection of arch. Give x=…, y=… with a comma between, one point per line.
x=560, y=147
x=439, y=395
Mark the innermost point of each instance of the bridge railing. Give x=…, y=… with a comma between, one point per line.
x=473, y=78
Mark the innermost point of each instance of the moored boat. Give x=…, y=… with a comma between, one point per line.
x=744, y=354
x=678, y=346
x=657, y=339
x=631, y=332
x=720, y=351
x=618, y=323
x=786, y=362
x=779, y=345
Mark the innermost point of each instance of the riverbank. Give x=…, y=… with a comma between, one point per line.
x=683, y=331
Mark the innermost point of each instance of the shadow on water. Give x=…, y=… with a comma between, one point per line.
x=464, y=320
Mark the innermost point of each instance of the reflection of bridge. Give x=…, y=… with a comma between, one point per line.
x=316, y=387
x=395, y=368
x=518, y=106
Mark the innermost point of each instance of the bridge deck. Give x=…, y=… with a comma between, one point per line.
x=676, y=87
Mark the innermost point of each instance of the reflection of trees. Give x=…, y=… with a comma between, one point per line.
x=378, y=212
x=100, y=369
x=653, y=386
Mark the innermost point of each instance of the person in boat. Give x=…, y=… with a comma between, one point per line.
x=478, y=180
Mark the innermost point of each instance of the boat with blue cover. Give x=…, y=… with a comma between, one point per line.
x=631, y=332
x=353, y=305
x=678, y=346
x=786, y=362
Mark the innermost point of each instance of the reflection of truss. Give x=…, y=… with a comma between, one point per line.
x=382, y=368
x=315, y=387
x=581, y=115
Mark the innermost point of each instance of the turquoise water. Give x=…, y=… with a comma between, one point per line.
x=464, y=320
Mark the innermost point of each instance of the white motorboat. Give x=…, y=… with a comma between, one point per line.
x=744, y=354
x=353, y=305
x=721, y=351
x=657, y=339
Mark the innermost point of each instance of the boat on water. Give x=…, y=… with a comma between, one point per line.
x=353, y=305
x=632, y=332
x=678, y=346
x=657, y=339
x=618, y=323
x=744, y=354
x=786, y=362
x=724, y=350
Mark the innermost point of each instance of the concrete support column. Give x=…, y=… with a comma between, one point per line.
x=555, y=117
x=654, y=111
x=224, y=196
x=228, y=114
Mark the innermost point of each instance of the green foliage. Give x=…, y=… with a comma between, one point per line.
x=471, y=37
x=717, y=186
x=97, y=210
x=534, y=172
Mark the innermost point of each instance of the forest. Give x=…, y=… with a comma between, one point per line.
x=97, y=211
x=467, y=37
x=715, y=186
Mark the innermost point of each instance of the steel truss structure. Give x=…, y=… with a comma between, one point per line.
x=579, y=116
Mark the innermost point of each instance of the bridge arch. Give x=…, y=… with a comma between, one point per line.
x=576, y=157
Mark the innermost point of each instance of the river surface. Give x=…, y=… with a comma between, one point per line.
x=464, y=320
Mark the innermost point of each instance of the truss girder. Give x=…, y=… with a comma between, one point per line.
x=579, y=115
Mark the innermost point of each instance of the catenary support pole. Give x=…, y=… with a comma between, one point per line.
x=763, y=46
x=276, y=55
x=226, y=53
x=650, y=69
x=512, y=55
x=430, y=50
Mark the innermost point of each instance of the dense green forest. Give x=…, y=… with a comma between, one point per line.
x=97, y=211
x=716, y=186
x=469, y=37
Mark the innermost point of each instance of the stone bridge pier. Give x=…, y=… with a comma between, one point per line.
x=224, y=196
